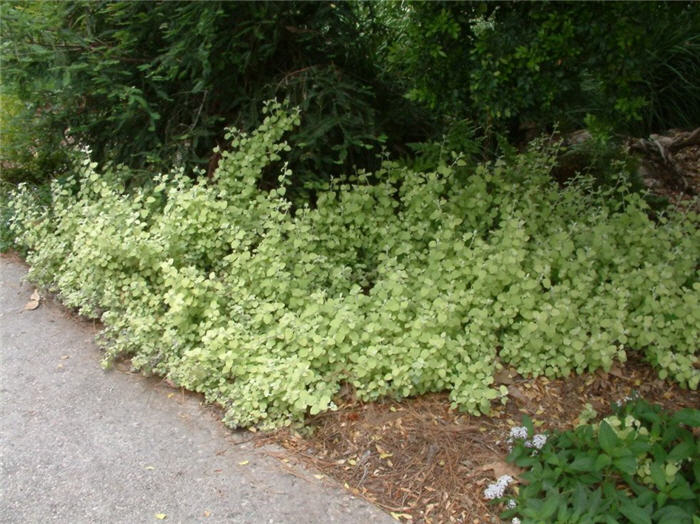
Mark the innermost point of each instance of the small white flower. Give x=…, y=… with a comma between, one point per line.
x=518, y=432
x=504, y=480
x=511, y=504
x=538, y=441
x=493, y=491
x=496, y=491
x=515, y=520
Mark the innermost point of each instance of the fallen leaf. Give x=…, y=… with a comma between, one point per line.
x=243, y=463
x=149, y=467
x=171, y=395
x=33, y=301
x=319, y=477
x=64, y=357
x=161, y=516
x=501, y=468
x=617, y=372
x=207, y=513
x=382, y=452
x=399, y=516
x=517, y=394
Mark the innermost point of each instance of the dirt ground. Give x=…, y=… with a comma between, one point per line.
x=422, y=461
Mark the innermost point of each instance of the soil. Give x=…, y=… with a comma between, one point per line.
x=681, y=191
x=422, y=461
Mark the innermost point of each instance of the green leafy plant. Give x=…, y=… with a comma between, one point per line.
x=397, y=282
x=638, y=465
x=30, y=149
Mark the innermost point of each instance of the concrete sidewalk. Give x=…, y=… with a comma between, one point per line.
x=78, y=444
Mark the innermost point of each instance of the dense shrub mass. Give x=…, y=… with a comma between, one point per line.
x=415, y=282
x=522, y=64
x=152, y=84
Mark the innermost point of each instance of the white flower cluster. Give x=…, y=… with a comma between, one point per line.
x=627, y=398
x=517, y=432
x=511, y=504
x=520, y=432
x=537, y=442
x=515, y=520
x=496, y=491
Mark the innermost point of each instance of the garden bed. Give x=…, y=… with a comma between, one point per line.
x=424, y=462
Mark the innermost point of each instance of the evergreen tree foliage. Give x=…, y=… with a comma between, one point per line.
x=509, y=65
x=155, y=83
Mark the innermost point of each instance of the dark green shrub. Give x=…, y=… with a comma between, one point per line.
x=514, y=66
x=152, y=84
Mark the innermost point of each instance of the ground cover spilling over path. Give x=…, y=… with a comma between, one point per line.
x=423, y=282
x=80, y=445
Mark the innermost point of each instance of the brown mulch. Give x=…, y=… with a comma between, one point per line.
x=422, y=461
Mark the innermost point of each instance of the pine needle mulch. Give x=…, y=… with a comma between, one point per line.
x=421, y=461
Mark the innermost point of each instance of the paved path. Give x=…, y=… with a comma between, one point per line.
x=80, y=445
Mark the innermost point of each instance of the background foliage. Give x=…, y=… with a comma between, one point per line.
x=522, y=65
x=152, y=84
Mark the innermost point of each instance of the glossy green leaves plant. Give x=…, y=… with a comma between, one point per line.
x=638, y=465
x=415, y=282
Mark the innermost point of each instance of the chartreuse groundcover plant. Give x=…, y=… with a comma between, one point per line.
x=395, y=282
x=640, y=465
